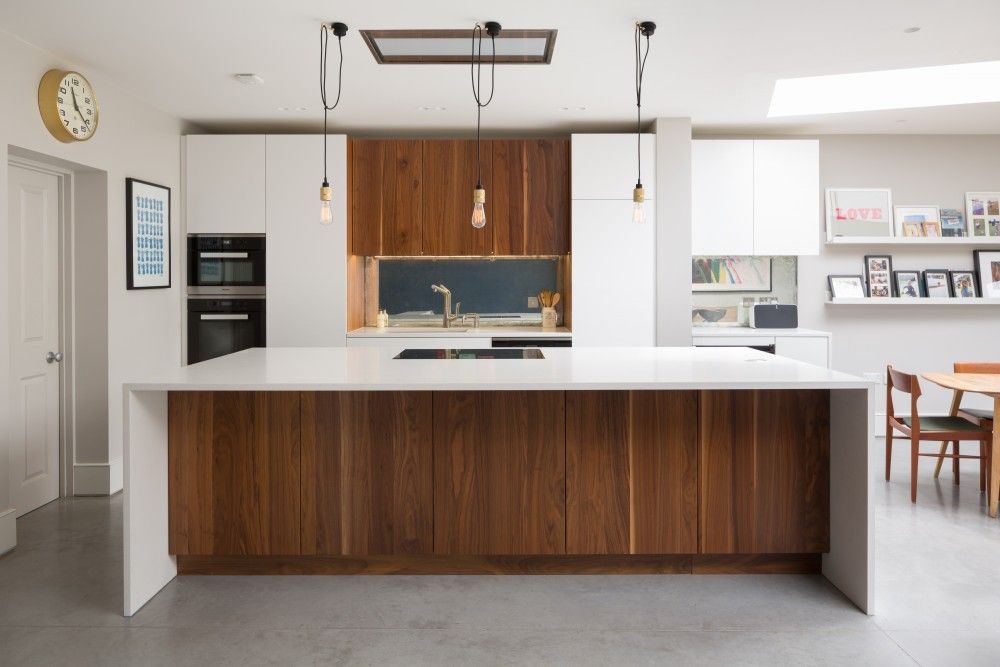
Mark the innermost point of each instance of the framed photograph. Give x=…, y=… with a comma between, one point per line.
x=988, y=270
x=847, y=286
x=916, y=218
x=858, y=212
x=907, y=284
x=878, y=275
x=982, y=209
x=963, y=284
x=731, y=274
x=147, y=230
x=937, y=282
x=932, y=229
x=953, y=223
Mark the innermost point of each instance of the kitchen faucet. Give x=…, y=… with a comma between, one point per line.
x=447, y=317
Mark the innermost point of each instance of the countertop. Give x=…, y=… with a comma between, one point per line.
x=373, y=368
x=706, y=332
x=460, y=332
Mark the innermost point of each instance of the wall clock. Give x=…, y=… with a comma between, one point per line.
x=68, y=106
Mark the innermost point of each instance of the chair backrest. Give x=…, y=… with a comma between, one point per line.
x=906, y=383
x=984, y=367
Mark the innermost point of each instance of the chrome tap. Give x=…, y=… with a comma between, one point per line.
x=446, y=317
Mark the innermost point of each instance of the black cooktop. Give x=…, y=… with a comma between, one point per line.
x=491, y=353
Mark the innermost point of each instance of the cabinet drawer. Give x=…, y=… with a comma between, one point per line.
x=733, y=341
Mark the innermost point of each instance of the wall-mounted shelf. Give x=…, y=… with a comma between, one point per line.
x=909, y=301
x=915, y=241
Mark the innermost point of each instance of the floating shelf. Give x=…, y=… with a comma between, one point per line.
x=915, y=240
x=908, y=301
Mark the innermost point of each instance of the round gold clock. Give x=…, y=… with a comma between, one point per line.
x=68, y=106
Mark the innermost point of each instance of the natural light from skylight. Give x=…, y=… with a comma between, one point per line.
x=943, y=85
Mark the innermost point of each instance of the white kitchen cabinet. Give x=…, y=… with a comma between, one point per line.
x=604, y=166
x=786, y=197
x=306, y=261
x=722, y=191
x=224, y=183
x=614, y=275
x=810, y=349
x=755, y=197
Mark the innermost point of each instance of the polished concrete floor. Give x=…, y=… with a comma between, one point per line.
x=938, y=586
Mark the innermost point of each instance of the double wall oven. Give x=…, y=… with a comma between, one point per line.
x=226, y=295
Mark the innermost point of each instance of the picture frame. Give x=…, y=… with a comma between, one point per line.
x=932, y=229
x=735, y=273
x=953, y=223
x=907, y=284
x=911, y=229
x=878, y=276
x=921, y=214
x=847, y=286
x=963, y=284
x=987, y=263
x=147, y=235
x=982, y=210
x=858, y=212
x=937, y=283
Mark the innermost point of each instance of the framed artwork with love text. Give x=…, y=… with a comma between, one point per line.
x=858, y=212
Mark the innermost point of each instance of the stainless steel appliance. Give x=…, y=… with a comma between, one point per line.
x=223, y=325
x=226, y=264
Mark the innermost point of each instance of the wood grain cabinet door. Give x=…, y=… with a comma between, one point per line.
x=386, y=196
x=499, y=473
x=234, y=473
x=449, y=177
x=530, y=196
x=367, y=159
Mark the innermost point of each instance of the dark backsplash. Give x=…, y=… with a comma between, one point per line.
x=482, y=285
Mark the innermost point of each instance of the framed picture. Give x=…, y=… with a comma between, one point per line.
x=988, y=270
x=878, y=275
x=847, y=287
x=907, y=284
x=963, y=284
x=147, y=215
x=916, y=218
x=937, y=283
x=983, y=212
x=858, y=212
x=953, y=223
x=932, y=228
x=731, y=274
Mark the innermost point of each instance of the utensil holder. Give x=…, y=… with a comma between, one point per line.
x=549, y=318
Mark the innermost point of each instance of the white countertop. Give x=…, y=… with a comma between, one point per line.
x=705, y=332
x=460, y=332
x=373, y=368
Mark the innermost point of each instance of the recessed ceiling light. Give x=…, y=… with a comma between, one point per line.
x=581, y=108
x=911, y=29
x=944, y=85
x=249, y=79
x=429, y=108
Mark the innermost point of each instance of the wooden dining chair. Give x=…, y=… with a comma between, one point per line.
x=940, y=429
x=980, y=417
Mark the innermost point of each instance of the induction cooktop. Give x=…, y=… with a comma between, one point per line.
x=490, y=353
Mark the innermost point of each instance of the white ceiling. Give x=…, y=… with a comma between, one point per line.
x=713, y=60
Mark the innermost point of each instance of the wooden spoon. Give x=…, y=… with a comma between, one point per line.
x=555, y=299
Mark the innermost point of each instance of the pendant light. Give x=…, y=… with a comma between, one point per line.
x=479, y=192
x=339, y=30
x=644, y=29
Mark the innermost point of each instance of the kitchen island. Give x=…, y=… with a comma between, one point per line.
x=588, y=460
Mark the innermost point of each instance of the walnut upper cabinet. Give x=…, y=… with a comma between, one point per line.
x=414, y=197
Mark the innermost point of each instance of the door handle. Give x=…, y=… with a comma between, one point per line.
x=225, y=316
x=225, y=255
x=53, y=356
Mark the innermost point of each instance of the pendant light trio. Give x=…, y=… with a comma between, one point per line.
x=492, y=29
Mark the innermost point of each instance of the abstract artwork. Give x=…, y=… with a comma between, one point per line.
x=148, y=234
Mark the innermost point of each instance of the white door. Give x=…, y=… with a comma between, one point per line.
x=33, y=215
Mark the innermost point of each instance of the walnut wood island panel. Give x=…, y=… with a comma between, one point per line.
x=589, y=461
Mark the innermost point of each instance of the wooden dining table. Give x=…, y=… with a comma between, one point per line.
x=977, y=383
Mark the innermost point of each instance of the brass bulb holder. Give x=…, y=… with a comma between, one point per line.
x=479, y=195
x=639, y=194
x=326, y=192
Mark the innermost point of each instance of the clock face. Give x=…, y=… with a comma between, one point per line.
x=68, y=106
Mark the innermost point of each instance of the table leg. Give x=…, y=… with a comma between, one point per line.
x=956, y=401
x=995, y=459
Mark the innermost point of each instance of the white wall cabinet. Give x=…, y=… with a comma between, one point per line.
x=306, y=261
x=604, y=166
x=224, y=183
x=755, y=197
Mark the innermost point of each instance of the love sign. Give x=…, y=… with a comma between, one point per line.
x=858, y=212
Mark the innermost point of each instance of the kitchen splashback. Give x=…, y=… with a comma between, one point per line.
x=482, y=285
x=784, y=288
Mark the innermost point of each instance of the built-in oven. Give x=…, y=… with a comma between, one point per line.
x=226, y=264
x=222, y=325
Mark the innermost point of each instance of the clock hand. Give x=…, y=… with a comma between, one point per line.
x=77, y=106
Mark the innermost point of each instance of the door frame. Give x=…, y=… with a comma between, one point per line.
x=65, y=308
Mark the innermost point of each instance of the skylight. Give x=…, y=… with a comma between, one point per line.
x=454, y=46
x=944, y=85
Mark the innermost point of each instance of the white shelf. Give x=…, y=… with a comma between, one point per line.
x=915, y=240
x=908, y=301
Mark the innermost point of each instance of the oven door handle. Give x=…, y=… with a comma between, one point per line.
x=225, y=316
x=224, y=255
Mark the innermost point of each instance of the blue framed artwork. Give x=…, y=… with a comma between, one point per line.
x=147, y=210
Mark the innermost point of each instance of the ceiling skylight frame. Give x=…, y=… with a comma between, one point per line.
x=372, y=37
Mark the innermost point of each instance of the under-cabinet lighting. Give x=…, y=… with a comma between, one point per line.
x=943, y=85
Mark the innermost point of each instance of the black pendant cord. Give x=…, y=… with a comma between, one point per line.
x=324, y=38
x=640, y=68
x=475, y=73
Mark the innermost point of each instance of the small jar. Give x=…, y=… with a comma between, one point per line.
x=382, y=321
x=549, y=318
